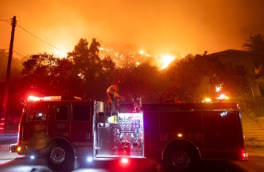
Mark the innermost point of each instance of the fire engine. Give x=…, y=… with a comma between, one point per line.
x=61, y=129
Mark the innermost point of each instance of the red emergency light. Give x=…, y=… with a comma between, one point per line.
x=124, y=160
x=33, y=98
x=244, y=155
x=52, y=98
x=46, y=98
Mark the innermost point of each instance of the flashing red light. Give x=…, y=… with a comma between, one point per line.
x=244, y=155
x=33, y=98
x=48, y=98
x=124, y=160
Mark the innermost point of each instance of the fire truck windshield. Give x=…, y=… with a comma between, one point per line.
x=37, y=113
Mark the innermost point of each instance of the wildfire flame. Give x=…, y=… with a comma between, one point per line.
x=166, y=60
x=61, y=53
x=161, y=61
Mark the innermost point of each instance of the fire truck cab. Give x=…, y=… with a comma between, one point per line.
x=60, y=130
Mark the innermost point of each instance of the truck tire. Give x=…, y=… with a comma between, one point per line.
x=59, y=156
x=181, y=158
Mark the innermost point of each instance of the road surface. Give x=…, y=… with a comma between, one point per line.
x=37, y=165
x=13, y=162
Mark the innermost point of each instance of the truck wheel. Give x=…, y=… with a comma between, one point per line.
x=59, y=157
x=181, y=159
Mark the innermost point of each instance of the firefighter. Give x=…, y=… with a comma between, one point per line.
x=136, y=105
x=114, y=92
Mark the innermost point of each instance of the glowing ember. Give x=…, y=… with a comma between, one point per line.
x=218, y=88
x=119, y=56
x=81, y=75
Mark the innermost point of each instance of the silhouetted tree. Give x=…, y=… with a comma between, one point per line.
x=94, y=47
x=47, y=75
x=186, y=79
x=35, y=74
x=109, y=71
x=139, y=81
x=254, y=43
x=188, y=73
x=65, y=79
x=88, y=65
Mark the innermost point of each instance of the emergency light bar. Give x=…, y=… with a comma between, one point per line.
x=51, y=98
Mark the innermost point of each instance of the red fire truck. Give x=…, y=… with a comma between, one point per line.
x=60, y=129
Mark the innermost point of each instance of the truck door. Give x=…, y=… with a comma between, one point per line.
x=82, y=124
x=222, y=133
x=58, y=120
x=35, y=127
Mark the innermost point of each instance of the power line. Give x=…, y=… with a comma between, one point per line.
x=16, y=53
x=18, y=22
x=32, y=35
x=19, y=50
x=3, y=48
x=4, y=20
x=14, y=47
x=6, y=48
x=19, y=54
x=38, y=38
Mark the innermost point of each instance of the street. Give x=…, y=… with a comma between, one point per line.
x=26, y=164
x=15, y=163
x=38, y=165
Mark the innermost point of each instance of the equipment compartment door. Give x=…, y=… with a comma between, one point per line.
x=151, y=132
x=105, y=141
x=223, y=134
x=82, y=124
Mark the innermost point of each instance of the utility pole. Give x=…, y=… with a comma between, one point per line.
x=3, y=116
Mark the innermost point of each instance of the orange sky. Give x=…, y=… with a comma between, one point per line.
x=155, y=26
